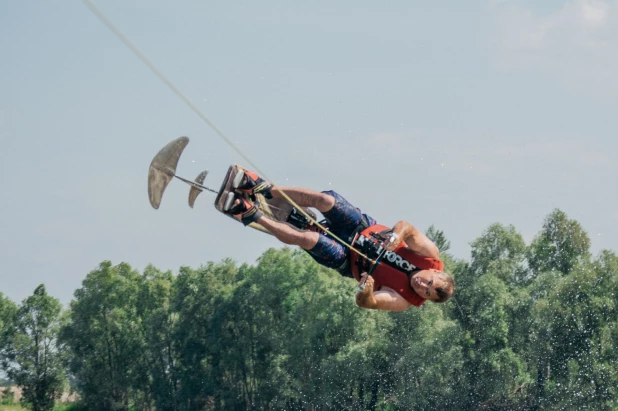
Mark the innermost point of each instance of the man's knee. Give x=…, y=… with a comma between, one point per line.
x=307, y=240
x=326, y=202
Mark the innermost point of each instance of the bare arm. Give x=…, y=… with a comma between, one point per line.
x=387, y=299
x=417, y=241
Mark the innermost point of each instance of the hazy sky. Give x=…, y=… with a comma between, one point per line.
x=458, y=114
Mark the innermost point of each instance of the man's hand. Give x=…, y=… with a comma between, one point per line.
x=385, y=299
x=368, y=282
x=413, y=238
x=364, y=296
x=393, y=242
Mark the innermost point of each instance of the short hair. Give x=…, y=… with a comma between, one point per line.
x=444, y=293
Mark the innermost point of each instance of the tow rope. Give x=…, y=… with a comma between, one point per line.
x=201, y=115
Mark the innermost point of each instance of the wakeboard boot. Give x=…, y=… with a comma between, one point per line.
x=238, y=207
x=249, y=182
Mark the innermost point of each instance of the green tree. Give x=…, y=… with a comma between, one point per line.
x=284, y=334
x=573, y=328
x=561, y=244
x=439, y=239
x=491, y=308
x=157, y=322
x=426, y=361
x=603, y=376
x=200, y=301
x=7, y=322
x=105, y=340
x=527, y=328
x=500, y=251
x=332, y=350
x=33, y=357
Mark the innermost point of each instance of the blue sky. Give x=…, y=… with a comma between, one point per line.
x=458, y=114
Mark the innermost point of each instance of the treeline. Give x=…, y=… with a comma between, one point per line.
x=530, y=327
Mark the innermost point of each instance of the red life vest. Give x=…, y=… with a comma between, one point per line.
x=396, y=278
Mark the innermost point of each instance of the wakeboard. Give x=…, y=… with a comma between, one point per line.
x=163, y=169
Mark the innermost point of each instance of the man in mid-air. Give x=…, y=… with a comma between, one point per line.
x=409, y=272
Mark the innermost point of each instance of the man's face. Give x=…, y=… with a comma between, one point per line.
x=425, y=282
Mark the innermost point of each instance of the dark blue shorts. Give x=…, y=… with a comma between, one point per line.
x=342, y=219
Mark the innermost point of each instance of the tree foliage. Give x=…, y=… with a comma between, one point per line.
x=529, y=328
x=32, y=357
x=439, y=239
x=7, y=321
x=561, y=244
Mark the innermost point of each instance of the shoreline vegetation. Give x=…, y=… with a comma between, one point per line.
x=530, y=327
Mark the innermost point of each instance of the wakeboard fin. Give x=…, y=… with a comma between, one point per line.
x=195, y=191
x=163, y=169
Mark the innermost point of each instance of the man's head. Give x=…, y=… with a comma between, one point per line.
x=433, y=285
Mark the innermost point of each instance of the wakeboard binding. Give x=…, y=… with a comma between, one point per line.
x=163, y=170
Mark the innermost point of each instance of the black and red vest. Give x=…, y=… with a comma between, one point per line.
x=395, y=267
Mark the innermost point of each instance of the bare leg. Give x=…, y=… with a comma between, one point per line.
x=305, y=197
x=288, y=234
